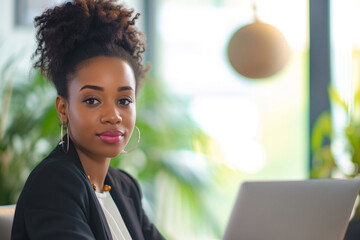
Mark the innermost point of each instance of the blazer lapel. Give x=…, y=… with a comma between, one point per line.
x=126, y=207
x=75, y=157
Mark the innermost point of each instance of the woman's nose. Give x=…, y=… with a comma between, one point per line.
x=111, y=116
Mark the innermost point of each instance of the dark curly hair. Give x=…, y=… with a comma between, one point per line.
x=75, y=31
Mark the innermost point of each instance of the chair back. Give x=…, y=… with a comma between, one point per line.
x=6, y=220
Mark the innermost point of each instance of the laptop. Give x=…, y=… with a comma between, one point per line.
x=317, y=209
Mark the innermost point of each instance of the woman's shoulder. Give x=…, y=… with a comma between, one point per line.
x=55, y=192
x=55, y=169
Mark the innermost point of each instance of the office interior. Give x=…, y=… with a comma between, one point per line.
x=207, y=124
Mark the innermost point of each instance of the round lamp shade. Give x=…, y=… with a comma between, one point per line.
x=258, y=50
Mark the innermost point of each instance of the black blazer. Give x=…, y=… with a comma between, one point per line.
x=58, y=202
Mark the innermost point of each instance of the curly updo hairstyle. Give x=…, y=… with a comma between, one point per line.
x=79, y=30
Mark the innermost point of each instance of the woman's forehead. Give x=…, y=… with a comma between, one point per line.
x=104, y=71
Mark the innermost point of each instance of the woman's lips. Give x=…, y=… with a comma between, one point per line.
x=111, y=136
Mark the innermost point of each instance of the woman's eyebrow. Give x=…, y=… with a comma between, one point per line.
x=92, y=87
x=125, y=88
x=102, y=89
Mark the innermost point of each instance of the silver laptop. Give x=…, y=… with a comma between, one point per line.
x=292, y=210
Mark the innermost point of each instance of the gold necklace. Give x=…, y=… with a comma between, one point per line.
x=106, y=188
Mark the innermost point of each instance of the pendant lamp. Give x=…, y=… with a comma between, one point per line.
x=258, y=50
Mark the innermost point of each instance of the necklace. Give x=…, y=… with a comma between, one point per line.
x=106, y=188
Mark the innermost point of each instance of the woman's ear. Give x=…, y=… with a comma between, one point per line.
x=61, y=108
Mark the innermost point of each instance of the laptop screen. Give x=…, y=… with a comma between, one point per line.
x=297, y=210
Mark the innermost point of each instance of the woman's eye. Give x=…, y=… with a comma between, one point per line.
x=91, y=101
x=125, y=101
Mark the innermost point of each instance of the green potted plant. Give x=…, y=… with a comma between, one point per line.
x=326, y=164
x=26, y=128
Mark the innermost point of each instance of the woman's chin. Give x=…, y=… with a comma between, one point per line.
x=113, y=154
x=112, y=150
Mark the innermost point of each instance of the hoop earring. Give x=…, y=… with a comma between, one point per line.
x=136, y=143
x=62, y=142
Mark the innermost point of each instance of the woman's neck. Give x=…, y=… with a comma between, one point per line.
x=95, y=168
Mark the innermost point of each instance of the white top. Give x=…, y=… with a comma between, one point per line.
x=116, y=223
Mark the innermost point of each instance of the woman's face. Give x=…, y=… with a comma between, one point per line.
x=101, y=106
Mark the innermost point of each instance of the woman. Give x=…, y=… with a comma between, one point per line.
x=92, y=53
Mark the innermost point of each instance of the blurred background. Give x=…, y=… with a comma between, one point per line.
x=239, y=90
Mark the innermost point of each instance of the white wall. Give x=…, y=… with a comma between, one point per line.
x=18, y=41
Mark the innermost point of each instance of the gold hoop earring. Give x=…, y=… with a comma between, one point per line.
x=62, y=142
x=136, y=143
